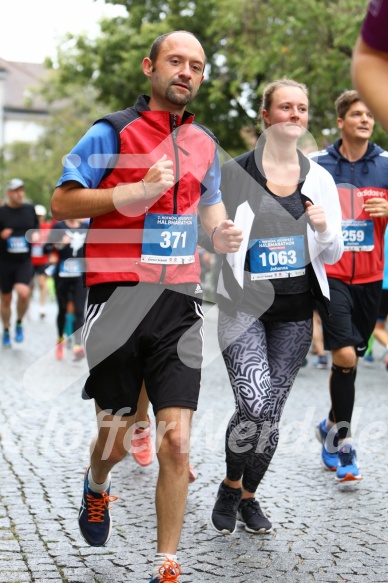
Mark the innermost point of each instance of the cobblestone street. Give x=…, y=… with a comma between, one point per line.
x=323, y=531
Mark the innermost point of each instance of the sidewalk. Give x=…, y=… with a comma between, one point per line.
x=323, y=531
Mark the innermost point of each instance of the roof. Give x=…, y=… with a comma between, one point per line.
x=19, y=79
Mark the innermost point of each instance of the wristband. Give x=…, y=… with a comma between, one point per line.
x=214, y=229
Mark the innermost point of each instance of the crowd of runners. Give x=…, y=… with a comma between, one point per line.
x=301, y=240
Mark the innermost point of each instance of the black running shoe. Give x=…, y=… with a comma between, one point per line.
x=250, y=513
x=224, y=515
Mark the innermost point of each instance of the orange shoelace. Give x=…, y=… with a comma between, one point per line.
x=169, y=571
x=97, y=506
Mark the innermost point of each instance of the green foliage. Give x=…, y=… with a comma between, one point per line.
x=39, y=164
x=248, y=43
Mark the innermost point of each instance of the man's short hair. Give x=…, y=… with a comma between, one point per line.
x=344, y=102
x=157, y=44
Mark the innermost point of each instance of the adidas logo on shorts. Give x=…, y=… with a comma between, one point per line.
x=198, y=289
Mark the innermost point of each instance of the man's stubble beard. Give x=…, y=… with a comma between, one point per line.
x=178, y=99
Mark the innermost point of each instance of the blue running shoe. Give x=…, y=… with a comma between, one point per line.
x=169, y=572
x=329, y=457
x=6, y=339
x=368, y=359
x=347, y=469
x=320, y=362
x=19, y=336
x=94, y=517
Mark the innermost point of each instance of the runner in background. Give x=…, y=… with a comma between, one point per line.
x=67, y=238
x=360, y=170
x=17, y=218
x=39, y=258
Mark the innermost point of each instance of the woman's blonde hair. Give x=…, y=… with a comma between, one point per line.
x=269, y=90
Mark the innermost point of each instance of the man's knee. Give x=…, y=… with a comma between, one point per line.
x=23, y=292
x=174, y=445
x=345, y=357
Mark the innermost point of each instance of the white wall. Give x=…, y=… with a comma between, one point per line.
x=21, y=130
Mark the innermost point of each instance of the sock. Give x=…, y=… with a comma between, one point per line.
x=370, y=346
x=142, y=424
x=69, y=321
x=342, y=391
x=159, y=559
x=346, y=441
x=95, y=487
x=329, y=424
x=18, y=322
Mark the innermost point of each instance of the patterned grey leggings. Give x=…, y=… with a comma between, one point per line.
x=262, y=360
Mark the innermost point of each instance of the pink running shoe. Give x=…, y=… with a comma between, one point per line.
x=142, y=449
x=192, y=475
x=59, y=349
x=78, y=352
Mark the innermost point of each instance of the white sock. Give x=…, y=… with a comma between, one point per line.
x=346, y=441
x=95, y=487
x=142, y=424
x=159, y=559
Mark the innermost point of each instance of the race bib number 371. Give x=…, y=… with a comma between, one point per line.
x=169, y=239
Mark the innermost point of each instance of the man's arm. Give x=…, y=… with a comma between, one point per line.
x=370, y=77
x=226, y=237
x=72, y=201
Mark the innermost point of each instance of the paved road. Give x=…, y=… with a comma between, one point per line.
x=323, y=531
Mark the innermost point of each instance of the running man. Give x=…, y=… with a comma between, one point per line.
x=360, y=170
x=152, y=168
x=16, y=270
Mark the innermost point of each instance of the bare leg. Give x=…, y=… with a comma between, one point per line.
x=42, y=283
x=317, y=334
x=142, y=406
x=23, y=300
x=111, y=444
x=381, y=334
x=173, y=439
x=6, y=309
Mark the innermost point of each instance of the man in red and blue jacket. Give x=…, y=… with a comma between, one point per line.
x=142, y=174
x=360, y=170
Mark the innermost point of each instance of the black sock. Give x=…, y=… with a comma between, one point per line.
x=342, y=390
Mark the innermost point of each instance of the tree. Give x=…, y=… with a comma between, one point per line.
x=248, y=44
x=73, y=110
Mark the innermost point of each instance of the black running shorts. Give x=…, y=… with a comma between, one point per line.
x=143, y=332
x=383, y=308
x=13, y=273
x=353, y=317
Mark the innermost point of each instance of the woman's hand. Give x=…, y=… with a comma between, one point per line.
x=316, y=216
